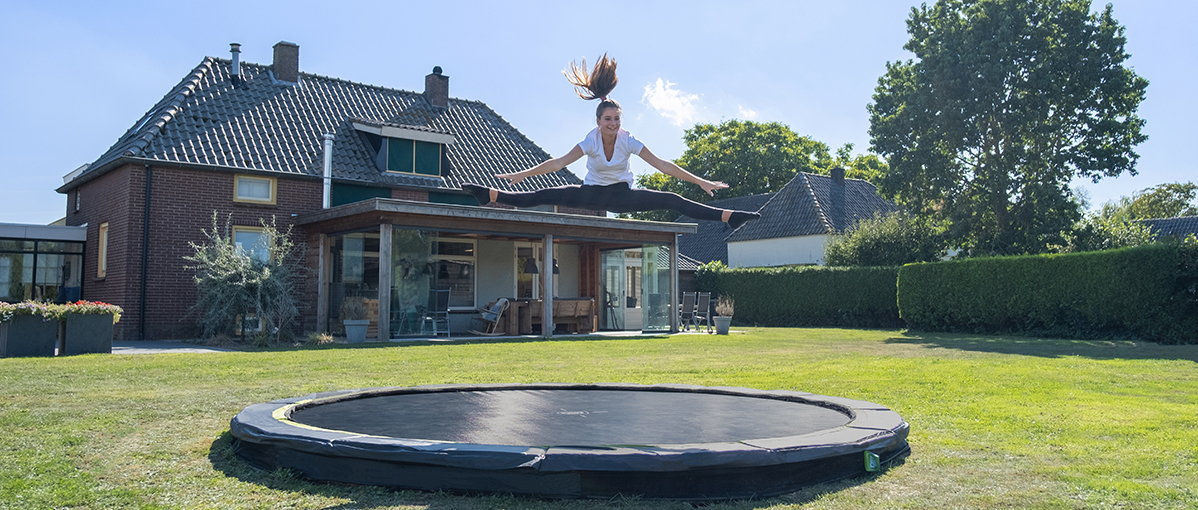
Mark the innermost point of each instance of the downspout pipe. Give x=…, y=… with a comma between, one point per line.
x=145, y=255
x=328, y=169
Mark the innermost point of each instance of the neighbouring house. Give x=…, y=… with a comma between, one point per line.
x=799, y=220
x=369, y=178
x=1178, y=227
x=707, y=243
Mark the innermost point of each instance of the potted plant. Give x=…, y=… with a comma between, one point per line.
x=724, y=307
x=353, y=316
x=27, y=329
x=87, y=326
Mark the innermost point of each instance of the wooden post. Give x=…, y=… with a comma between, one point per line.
x=547, y=289
x=385, y=281
x=322, y=286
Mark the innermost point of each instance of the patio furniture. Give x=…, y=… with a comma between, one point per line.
x=576, y=313
x=686, y=313
x=702, y=311
x=490, y=318
x=438, y=315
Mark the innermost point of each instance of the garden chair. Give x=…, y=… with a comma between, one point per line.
x=686, y=313
x=703, y=311
x=490, y=318
x=438, y=315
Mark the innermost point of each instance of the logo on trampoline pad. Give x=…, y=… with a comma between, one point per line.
x=872, y=462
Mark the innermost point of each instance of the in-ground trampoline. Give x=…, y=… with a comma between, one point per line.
x=573, y=440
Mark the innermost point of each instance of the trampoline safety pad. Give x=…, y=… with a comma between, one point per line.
x=573, y=440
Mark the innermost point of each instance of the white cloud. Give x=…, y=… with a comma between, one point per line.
x=671, y=103
x=746, y=113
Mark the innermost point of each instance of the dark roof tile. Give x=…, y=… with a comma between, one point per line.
x=1172, y=227
x=707, y=244
x=812, y=204
x=271, y=126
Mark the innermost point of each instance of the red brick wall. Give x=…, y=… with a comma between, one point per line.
x=409, y=194
x=182, y=204
x=110, y=199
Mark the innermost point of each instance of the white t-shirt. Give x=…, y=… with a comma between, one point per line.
x=602, y=172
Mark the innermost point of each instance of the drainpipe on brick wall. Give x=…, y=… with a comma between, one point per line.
x=145, y=256
x=328, y=170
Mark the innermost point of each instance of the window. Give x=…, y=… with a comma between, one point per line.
x=252, y=242
x=254, y=190
x=412, y=156
x=77, y=192
x=102, y=258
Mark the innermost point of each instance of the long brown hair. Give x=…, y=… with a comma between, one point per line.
x=595, y=84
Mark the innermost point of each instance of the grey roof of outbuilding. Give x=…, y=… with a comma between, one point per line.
x=271, y=126
x=812, y=204
x=708, y=244
x=1172, y=227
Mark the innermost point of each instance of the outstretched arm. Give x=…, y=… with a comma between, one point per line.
x=677, y=172
x=547, y=167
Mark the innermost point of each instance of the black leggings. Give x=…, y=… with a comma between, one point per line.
x=617, y=198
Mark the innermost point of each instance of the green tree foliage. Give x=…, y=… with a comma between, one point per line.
x=1097, y=232
x=751, y=157
x=233, y=283
x=1168, y=200
x=889, y=240
x=1006, y=102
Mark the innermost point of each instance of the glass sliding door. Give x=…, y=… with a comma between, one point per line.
x=655, y=288
x=413, y=268
x=612, y=290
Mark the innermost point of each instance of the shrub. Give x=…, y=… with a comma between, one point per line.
x=813, y=296
x=1146, y=292
x=233, y=283
x=725, y=306
x=1096, y=233
x=890, y=240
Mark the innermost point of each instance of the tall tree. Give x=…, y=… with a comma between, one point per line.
x=1167, y=200
x=751, y=157
x=1005, y=103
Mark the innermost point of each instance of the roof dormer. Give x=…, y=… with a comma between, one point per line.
x=406, y=149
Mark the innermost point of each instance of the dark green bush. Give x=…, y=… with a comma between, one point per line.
x=1145, y=292
x=862, y=297
x=885, y=240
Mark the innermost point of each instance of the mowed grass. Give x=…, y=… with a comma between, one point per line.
x=996, y=422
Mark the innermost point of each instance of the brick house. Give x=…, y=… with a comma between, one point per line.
x=390, y=223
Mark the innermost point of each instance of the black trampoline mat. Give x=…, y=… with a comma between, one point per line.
x=571, y=417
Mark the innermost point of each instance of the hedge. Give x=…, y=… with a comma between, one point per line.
x=812, y=296
x=1144, y=292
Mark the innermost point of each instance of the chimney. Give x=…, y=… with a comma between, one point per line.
x=286, y=64
x=436, y=88
x=838, y=175
x=235, y=49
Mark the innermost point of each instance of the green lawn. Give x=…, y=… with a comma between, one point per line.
x=996, y=422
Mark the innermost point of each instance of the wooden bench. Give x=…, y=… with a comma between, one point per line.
x=576, y=313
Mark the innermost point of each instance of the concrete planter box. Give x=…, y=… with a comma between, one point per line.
x=28, y=335
x=87, y=334
x=355, y=330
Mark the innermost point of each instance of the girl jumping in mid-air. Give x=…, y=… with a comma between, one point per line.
x=608, y=183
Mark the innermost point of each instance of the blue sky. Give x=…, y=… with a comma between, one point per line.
x=78, y=74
